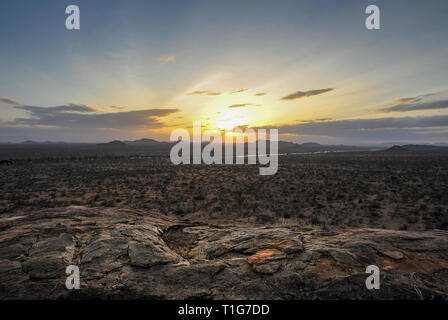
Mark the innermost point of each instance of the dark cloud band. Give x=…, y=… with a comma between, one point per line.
x=82, y=116
x=405, y=107
x=305, y=94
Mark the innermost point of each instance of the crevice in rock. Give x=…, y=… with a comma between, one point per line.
x=180, y=242
x=80, y=242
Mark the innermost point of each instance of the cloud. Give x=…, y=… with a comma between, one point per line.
x=197, y=92
x=69, y=108
x=405, y=100
x=414, y=99
x=118, y=107
x=242, y=127
x=260, y=94
x=238, y=91
x=372, y=129
x=314, y=120
x=167, y=58
x=8, y=100
x=243, y=105
x=305, y=94
x=213, y=93
x=83, y=116
x=405, y=107
x=207, y=93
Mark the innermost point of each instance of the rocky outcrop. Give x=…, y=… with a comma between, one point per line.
x=125, y=254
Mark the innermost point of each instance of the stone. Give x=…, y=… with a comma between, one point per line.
x=129, y=254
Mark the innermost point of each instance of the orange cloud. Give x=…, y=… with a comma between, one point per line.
x=167, y=58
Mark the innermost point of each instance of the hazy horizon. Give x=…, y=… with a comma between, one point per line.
x=385, y=144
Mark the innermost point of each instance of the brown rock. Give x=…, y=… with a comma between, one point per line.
x=125, y=254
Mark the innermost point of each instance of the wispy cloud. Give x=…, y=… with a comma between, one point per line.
x=238, y=91
x=118, y=107
x=204, y=93
x=406, y=107
x=213, y=93
x=314, y=120
x=243, y=127
x=69, y=108
x=414, y=99
x=8, y=100
x=83, y=116
x=305, y=94
x=384, y=129
x=167, y=58
x=243, y=105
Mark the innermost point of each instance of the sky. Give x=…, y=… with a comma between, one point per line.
x=140, y=69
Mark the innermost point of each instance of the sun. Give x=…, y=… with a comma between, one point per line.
x=229, y=119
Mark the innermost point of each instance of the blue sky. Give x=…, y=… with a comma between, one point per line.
x=172, y=62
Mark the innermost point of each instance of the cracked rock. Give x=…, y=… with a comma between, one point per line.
x=128, y=254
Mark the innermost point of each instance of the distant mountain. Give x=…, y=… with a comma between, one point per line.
x=290, y=147
x=145, y=142
x=150, y=147
x=416, y=148
x=396, y=149
x=115, y=143
x=283, y=146
x=153, y=146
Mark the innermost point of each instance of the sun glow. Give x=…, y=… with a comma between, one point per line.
x=229, y=119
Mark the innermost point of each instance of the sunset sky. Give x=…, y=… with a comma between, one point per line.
x=144, y=68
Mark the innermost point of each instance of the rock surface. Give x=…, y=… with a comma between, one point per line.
x=124, y=254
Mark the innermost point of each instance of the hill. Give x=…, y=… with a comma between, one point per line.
x=115, y=143
x=396, y=149
x=417, y=148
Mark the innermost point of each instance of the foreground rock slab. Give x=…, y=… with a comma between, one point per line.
x=131, y=254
